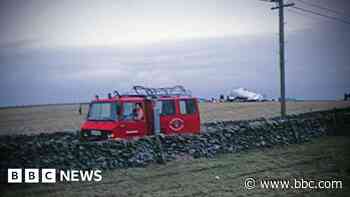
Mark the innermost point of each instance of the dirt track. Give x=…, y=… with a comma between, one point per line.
x=53, y=118
x=222, y=176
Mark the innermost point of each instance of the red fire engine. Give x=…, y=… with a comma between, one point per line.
x=148, y=111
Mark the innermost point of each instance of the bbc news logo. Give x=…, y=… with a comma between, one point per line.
x=49, y=175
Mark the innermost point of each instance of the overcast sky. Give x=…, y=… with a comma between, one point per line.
x=66, y=51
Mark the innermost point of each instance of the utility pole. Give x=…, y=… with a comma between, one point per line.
x=280, y=6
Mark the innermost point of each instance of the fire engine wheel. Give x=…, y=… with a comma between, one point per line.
x=176, y=124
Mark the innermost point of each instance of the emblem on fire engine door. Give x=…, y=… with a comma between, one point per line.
x=176, y=124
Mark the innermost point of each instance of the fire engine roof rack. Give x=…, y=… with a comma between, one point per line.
x=177, y=90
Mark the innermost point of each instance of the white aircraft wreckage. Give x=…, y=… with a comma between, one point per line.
x=244, y=95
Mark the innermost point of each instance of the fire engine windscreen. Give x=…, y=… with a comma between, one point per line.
x=103, y=111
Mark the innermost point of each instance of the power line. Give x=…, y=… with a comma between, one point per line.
x=323, y=15
x=303, y=14
x=323, y=8
x=308, y=15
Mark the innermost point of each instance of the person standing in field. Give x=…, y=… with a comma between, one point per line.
x=80, y=110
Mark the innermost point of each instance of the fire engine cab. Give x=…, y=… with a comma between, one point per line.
x=148, y=111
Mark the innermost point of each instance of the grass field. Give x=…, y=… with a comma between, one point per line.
x=325, y=158
x=51, y=118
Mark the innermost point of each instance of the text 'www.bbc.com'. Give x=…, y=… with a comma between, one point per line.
x=285, y=184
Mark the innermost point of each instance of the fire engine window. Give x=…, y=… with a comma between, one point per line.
x=188, y=106
x=167, y=107
x=128, y=111
x=133, y=111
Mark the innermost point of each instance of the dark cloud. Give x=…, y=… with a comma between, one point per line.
x=18, y=44
x=317, y=68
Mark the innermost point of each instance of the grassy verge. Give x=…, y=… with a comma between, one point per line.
x=324, y=158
